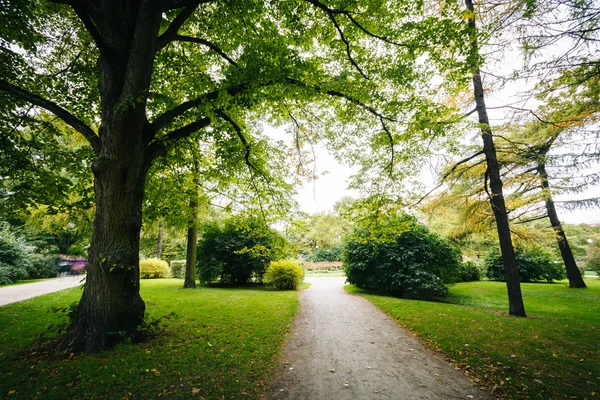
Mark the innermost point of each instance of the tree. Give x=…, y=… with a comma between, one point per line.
x=496, y=197
x=136, y=77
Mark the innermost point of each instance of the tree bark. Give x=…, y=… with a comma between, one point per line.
x=159, y=240
x=190, y=258
x=513, y=285
x=111, y=308
x=573, y=274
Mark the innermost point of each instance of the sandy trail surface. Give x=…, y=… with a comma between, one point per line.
x=12, y=294
x=343, y=347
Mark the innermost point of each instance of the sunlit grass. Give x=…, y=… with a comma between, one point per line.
x=221, y=343
x=553, y=354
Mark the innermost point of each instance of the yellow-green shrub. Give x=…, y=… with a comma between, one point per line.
x=284, y=274
x=153, y=268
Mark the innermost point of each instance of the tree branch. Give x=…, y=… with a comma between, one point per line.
x=240, y=134
x=159, y=146
x=333, y=11
x=348, y=52
x=173, y=28
x=336, y=93
x=90, y=26
x=168, y=116
x=206, y=43
x=55, y=109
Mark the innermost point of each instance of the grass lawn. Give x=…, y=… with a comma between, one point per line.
x=553, y=354
x=25, y=282
x=222, y=343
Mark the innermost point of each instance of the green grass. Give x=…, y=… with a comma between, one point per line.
x=222, y=343
x=553, y=354
x=25, y=281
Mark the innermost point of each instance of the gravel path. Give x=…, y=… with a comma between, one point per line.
x=343, y=347
x=12, y=294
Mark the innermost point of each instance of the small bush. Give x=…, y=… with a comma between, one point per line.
x=469, y=272
x=43, y=267
x=15, y=261
x=178, y=269
x=153, y=268
x=592, y=259
x=400, y=257
x=10, y=273
x=534, y=263
x=284, y=274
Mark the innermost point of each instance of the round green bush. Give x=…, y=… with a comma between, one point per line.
x=469, y=271
x=284, y=274
x=178, y=269
x=153, y=268
x=400, y=257
x=534, y=264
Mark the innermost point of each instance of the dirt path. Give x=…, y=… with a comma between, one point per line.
x=12, y=294
x=343, y=347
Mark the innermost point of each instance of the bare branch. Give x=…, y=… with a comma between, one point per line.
x=55, y=109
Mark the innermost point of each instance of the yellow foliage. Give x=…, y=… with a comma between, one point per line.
x=153, y=268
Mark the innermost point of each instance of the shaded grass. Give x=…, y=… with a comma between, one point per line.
x=553, y=354
x=221, y=343
x=25, y=282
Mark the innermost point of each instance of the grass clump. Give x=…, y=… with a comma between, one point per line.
x=553, y=354
x=219, y=343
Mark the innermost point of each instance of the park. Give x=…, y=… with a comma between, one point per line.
x=160, y=234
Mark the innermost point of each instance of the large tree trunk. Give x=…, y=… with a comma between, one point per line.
x=573, y=274
x=513, y=285
x=111, y=307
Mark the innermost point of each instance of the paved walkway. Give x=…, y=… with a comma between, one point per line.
x=12, y=294
x=343, y=347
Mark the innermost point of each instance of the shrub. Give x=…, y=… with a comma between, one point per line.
x=592, y=259
x=178, y=269
x=15, y=262
x=43, y=267
x=237, y=250
x=469, y=271
x=284, y=274
x=400, y=257
x=153, y=268
x=534, y=263
x=326, y=254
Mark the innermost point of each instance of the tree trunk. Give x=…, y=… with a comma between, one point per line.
x=513, y=285
x=159, y=240
x=192, y=245
x=573, y=274
x=111, y=308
